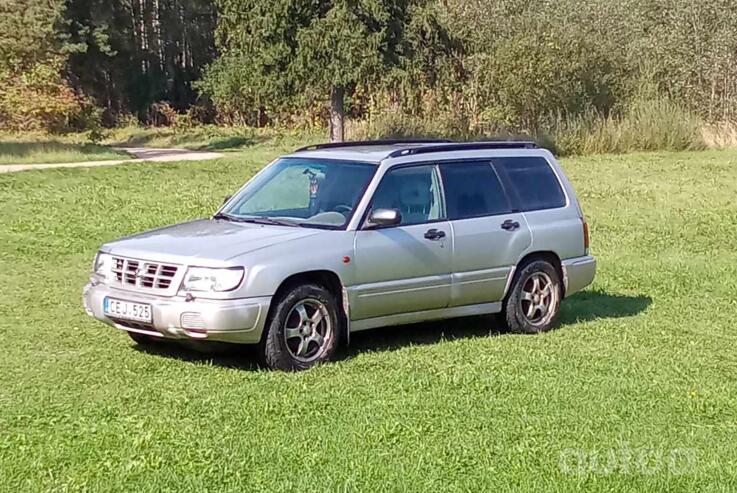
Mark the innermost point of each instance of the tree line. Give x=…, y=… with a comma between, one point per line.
x=458, y=66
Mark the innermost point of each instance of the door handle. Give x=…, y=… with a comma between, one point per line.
x=434, y=234
x=510, y=225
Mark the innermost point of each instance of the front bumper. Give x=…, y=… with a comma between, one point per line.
x=578, y=273
x=236, y=321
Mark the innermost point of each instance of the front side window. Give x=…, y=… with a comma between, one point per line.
x=303, y=192
x=533, y=181
x=473, y=190
x=414, y=191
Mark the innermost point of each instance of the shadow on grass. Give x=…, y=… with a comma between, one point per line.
x=226, y=143
x=593, y=305
x=190, y=140
x=22, y=149
x=585, y=306
x=219, y=354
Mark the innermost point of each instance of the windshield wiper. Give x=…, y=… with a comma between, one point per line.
x=268, y=220
x=224, y=216
x=255, y=219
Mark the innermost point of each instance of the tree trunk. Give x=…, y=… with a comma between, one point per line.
x=337, y=131
x=263, y=118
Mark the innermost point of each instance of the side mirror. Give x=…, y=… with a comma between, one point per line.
x=384, y=217
x=227, y=198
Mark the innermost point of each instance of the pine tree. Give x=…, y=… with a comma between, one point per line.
x=286, y=52
x=140, y=52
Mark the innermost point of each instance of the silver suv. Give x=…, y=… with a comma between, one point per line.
x=338, y=238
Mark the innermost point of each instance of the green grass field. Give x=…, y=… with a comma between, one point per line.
x=636, y=391
x=39, y=151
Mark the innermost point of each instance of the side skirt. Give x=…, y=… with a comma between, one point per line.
x=408, y=318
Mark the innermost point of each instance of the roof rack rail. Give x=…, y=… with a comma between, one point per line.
x=335, y=145
x=465, y=146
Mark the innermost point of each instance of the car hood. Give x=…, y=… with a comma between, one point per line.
x=205, y=241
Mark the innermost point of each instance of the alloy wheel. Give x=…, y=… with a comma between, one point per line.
x=538, y=298
x=308, y=330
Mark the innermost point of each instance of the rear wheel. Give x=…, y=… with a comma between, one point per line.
x=533, y=302
x=303, y=329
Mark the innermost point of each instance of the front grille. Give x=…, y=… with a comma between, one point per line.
x=143, y=274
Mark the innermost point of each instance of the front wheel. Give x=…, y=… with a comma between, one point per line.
x=533, y=302
x=303, y=329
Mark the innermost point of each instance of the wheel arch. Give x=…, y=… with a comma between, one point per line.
x=326, y=278
x=546, y=255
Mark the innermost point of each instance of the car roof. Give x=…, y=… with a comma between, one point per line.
x=366, y=153
x=377, y=151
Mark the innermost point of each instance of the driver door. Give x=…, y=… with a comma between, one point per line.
x=404, y=268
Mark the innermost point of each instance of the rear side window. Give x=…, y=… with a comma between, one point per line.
x=473, y=190
x=533, y=181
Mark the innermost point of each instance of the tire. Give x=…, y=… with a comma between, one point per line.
x=303, y=329
x=531, y=308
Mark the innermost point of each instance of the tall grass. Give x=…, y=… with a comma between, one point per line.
x=398, y=125
x=651, y=125
x=720, y=136
x=648, y=125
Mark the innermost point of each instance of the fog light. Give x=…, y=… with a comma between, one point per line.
x=192, y=320
x=87, y=307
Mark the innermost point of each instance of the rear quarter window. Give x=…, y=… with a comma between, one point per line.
x=532, y=181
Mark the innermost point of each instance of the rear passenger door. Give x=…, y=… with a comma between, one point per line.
x=489, y=234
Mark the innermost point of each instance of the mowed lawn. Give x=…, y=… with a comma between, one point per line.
x=636, y=391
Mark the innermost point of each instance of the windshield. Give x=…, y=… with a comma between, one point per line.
x=302, y=192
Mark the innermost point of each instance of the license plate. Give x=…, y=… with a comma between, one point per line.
x=127, y=310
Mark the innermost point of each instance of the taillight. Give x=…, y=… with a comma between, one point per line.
x=585, y=234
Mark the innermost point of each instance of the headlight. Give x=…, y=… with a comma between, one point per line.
x=103, y=264
x=206, y=279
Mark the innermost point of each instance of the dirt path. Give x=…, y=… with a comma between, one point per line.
x=140, y=154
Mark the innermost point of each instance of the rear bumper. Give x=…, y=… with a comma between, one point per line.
x=578, y=273
x=237, y=321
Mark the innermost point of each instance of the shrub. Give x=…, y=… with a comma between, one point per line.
x=38, y=99
x=127, y=120
x=398, y=125
x=161, y=114
x=536, y=73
